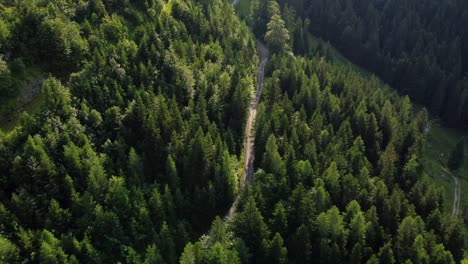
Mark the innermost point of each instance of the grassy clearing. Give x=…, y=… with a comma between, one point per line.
x=9, y=120
x=334, y=55
x=11, y=108
x=440, y=142
x=441, y=179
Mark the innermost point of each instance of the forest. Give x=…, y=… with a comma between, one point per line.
x=137, y=151
x=419, y=47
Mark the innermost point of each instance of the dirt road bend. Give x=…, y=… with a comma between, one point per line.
x=249, y=141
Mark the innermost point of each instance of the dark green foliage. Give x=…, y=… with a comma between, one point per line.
x=338, y=172
x=277, y=36
x=9, y=252
x=250, y=226
x=4, y=32
x=60, y=41
x=420, y=47
x=8, y=86
x=218, y=246
x=138, y=144
x=457, y=156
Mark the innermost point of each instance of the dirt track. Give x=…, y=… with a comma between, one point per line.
x=247, y=174
x=456, y=199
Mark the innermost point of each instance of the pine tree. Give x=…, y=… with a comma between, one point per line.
x=167, y=245
x=135, y=168
x=272, y=161
x=276, y=251
x=277, y=35
x=331, y=236
x=279, y=219
x=250, y=227
x=9, y=252
x=301, y=245
x=386, y=254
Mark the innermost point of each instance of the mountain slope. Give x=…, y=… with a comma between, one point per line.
x=138, y=145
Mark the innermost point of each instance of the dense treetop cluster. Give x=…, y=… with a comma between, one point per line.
x=137, y=152
x=338, y=173
x=138, y=145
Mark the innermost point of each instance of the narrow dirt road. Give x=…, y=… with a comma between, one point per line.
x=456, y=199
x=247, y=174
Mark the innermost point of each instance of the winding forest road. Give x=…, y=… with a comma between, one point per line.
x=249, y=141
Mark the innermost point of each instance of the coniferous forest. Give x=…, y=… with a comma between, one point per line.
x=418, y=46
x=136, y=152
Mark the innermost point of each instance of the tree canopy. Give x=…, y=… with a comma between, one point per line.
x=137, y=151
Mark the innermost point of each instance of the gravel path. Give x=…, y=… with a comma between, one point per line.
x=249, y=128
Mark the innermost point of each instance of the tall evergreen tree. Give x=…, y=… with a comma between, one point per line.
x=277, y=35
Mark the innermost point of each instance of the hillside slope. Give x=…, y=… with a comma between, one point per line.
x=338, y=168
x=138, y=143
